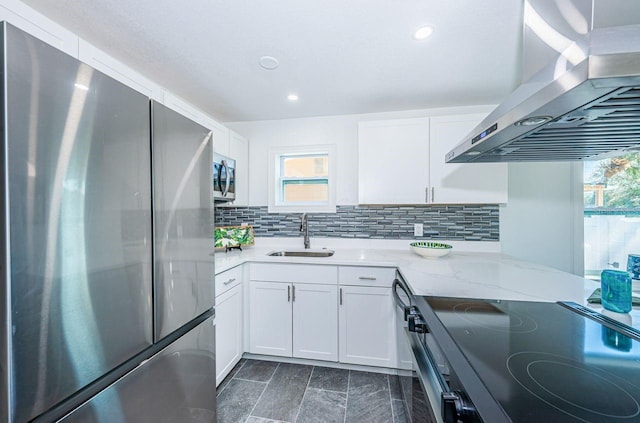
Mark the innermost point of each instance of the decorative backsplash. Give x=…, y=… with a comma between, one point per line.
x=466, y=222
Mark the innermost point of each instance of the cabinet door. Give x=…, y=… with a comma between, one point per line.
x=393, y=159
x=38, y=25
x=239, y=150
x=220, y=139
x=367, y=326
x=270, y=318
x=315, y=321
x=228, y=331
x=462, y=182
x=119, y=71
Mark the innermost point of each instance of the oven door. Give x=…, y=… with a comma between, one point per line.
x=431, y=398
x=421, y=399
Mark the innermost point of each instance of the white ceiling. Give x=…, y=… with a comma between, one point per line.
x=339, y=56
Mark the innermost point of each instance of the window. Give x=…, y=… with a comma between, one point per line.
x=301, y=179
x=611, y=212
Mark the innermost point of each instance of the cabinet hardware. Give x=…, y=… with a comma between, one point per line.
x=433, y=191
x=288, y=293
x=426, y=195
x=340, y=296
x=367, y=278
x=229, y=281
x=293, y=293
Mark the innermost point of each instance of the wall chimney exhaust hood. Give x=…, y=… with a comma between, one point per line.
x=582, y=96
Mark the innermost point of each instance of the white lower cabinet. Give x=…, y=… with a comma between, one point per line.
x=367, y=326
x=293, y=310
x=229, y=321
x=228, y=331
x=331, y=313
x=270, y=318
x=294, y=320
x=315, y=322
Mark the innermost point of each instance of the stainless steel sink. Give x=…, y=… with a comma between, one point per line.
x=321, y=253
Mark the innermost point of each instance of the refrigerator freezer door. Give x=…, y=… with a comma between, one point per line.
x=78, y=167
x=176, y=385
x=182, y=208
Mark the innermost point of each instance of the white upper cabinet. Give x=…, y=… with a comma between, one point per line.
x=20, y=15
x=186, y=109
x=221, y=135
x=392, y=161
x=402, y=162
x=106, y=64
x=462, y=182
x=239, y=150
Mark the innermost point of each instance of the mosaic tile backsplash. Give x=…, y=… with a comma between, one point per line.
x=473, y=222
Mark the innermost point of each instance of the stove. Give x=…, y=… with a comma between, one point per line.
x=531, y=362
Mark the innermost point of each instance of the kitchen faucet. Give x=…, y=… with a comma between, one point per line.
x=304, y=227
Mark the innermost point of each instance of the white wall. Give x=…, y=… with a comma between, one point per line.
x=543, y=220
x=339, y=130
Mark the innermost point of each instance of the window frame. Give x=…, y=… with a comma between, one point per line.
x=276, y=182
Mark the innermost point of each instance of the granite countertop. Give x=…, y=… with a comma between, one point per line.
x=459, y=274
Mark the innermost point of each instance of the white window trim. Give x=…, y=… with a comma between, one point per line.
x=274, y=159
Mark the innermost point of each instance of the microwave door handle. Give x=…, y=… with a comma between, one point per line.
x=219, y=178
x=227, y=183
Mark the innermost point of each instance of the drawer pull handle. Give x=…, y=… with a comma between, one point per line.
x=367, y=278
x=229, y=281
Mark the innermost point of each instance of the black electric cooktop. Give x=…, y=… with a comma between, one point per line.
x=545, y=362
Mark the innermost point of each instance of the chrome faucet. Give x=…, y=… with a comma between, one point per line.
x=304, y=227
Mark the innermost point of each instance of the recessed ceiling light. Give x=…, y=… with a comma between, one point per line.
x=269, y=62
x=292, y=97
x=422, y=33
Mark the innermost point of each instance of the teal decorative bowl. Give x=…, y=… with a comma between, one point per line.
x=431, y=249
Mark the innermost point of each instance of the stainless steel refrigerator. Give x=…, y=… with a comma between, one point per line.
x=106, y=301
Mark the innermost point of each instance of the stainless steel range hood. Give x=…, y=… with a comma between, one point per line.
x=585, y=103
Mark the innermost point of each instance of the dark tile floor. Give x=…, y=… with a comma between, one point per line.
x=266, y=392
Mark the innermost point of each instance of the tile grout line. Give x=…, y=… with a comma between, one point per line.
x=393, y=416
x=232, y=377
x=346, y=403
x=304, y=395
x=262, y=393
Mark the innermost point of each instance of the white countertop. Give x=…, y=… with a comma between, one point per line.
x=459, y=274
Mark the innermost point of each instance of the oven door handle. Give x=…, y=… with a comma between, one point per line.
x=397, y=283
x=454, y=406
x=425, y=360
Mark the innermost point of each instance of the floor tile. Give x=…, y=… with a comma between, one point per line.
x=420, y=407
x=329, y=379
x=230, y=376
x=394, y=386
x=319, y=406
x=237, y=400
x=399, y=411
x=253, y=419
x=282, y=397
x=258, y=370
x=369, y=399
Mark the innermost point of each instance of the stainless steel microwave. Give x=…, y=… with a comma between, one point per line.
x=224, y=178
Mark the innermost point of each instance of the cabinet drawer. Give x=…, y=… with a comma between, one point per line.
x=228, y=279
x=296, y=273
x=366, y=276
